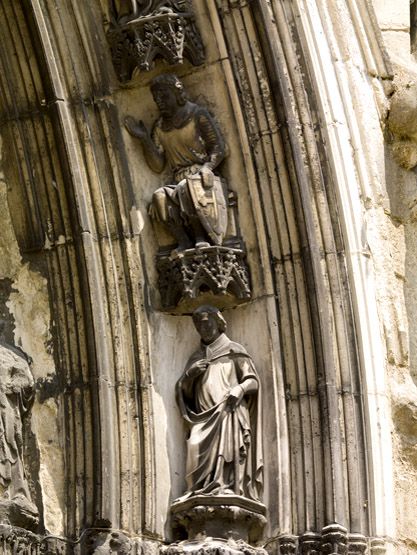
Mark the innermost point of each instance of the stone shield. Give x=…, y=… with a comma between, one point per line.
x=209, y=202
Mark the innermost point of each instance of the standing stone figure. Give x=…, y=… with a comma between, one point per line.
x=218, y=396
x=16, y=396
x=193, y=206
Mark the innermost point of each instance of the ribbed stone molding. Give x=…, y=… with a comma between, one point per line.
x=333, y=539
x=95, y=541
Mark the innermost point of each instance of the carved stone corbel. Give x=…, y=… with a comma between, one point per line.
x=310, y=543
x=189, y=274
x=287, y=544
x=357, y=544
x=164, y=29
x=334, y=539
x=378, y=546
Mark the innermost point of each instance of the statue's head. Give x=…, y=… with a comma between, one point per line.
x=209, y=323
x=168, y=93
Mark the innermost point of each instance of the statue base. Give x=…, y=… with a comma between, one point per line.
x=167, y=33
x=230, y=517
x=213, y=275
x=15, y=540
x=212, y=546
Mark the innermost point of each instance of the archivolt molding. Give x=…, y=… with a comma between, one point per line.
x=312, y=53
x=355, y=174
x=70, y=200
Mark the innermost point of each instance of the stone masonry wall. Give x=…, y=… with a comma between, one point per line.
x=393, y=243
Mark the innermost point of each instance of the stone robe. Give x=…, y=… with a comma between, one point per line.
x=16, y=395
x=224, y=449
x=190, y=144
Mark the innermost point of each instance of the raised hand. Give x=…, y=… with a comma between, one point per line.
x=136, y=128
x=196, y=369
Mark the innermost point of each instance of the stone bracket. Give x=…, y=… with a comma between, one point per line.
x=334, y=539
x=169, y=32
x=232, y=518
x=14, y=540
x=212, y=547
x=221, y=272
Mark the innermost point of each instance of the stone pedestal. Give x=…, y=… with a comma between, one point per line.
x=223, y=524
x=212, y=546
x=169, y=33
x=208, y=275
x=310, y=543
x=334, y=539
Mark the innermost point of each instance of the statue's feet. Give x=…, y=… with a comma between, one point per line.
x=183, y=497
x=201, y=244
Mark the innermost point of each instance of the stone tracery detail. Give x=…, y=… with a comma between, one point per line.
x=144, y=30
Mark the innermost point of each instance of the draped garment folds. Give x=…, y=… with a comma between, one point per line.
x=16, y=396
x=221, y=442
x=193, y=141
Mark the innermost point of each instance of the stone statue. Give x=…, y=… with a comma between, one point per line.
x=218, y=396
x=193, y=206
x=16, y=397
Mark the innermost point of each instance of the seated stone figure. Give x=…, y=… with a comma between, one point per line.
x=192, y=207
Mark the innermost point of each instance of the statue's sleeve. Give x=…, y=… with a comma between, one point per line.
x=210, y=133
x=156, y=138
x=185, y=387
x=247, y=374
